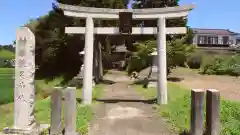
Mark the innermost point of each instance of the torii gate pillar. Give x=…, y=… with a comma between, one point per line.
x=88, y=61
x=162, y=62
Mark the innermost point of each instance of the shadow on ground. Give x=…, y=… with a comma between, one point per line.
x=79, y=100
x=78, y=83
x=143, y=81
x=175, y=79
x=187, y=133
x=150, y=101
x=112, y=101
x=107, y=82
x=184, y=133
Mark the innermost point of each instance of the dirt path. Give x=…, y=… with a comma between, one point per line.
x=228, y=85
x=125, y=112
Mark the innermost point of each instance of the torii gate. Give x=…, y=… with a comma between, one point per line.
x=161, y=14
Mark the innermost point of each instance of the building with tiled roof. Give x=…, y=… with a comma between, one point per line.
x=214, y=37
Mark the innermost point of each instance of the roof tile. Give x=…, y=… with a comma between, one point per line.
x=213, y=31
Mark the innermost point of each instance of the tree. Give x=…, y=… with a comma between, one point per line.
x=178, y=22
x=58, y=53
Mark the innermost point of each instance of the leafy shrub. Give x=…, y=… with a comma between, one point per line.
x=194, y=61
x=177, y=53
x=221, y=66
x=141, y=58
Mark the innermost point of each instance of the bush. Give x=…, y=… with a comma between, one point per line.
x=141, y=58
x=177, y=53
x=221, y=66
x=194, y=61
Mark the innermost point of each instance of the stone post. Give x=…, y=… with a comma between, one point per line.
x=197, y=109
x=70, y=111
x=56, y=112
x=96, y=63
x=88, y=62
x=213, y=112
x=24, y=92
x=80, y=73
x=24, y=89
x=162, y=62
x=100, y=60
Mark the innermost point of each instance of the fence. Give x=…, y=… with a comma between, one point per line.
x=197, y=111
x=212, y=112
x=69, y=96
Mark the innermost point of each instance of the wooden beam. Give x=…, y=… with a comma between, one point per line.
x=135, y=30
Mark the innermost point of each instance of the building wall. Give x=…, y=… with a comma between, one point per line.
x=237, y=39
x=233, y=38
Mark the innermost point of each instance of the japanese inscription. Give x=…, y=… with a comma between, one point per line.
x=21, y=63
x=21, y=47
x=21, y=74
x=24, y=79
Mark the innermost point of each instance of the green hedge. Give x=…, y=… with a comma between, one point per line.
x=222, y=65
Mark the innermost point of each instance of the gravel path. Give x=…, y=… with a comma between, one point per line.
x=125, y=112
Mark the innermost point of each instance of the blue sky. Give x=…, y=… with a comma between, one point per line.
x=207, y=14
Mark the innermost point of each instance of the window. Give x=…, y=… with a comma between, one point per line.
x=212, y=40
x=207, y=40
x=215, y=40
x=238, y=41
x=202, y=39
x=225, y=40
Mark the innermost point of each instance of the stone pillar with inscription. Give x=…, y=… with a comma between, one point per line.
x=24, y=89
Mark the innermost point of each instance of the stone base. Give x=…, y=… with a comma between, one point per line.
x=37, y=130
x=152, y=84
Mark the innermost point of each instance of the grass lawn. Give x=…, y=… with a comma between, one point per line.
x=6, y=83
x=43, y=110
x=177, y=111
x=43, y=88
x=42, y=105
x=6, y=54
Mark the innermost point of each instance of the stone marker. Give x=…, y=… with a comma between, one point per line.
x=56, y=112
x=24, y=89
x=70, y=111
x=213, y=112
x=197, y=115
